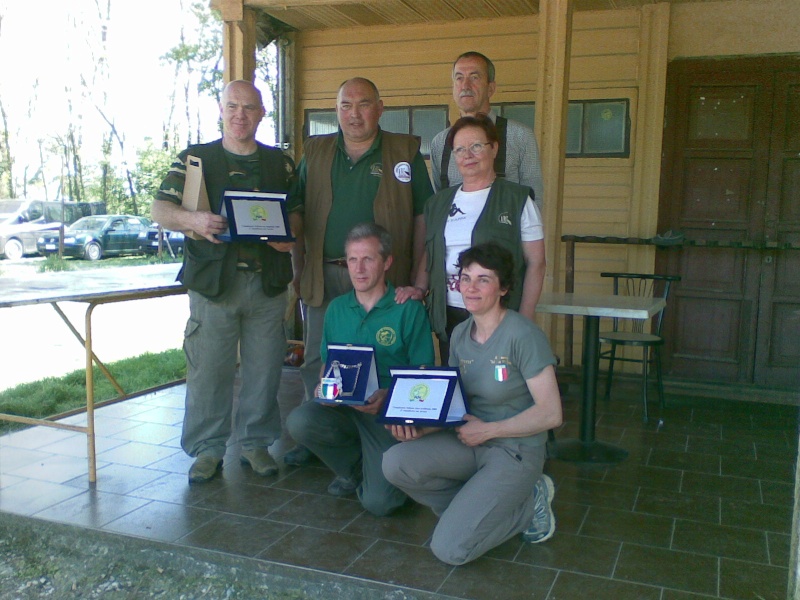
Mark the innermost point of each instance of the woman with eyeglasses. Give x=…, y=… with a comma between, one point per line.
x=484, y=478
x=483, y=208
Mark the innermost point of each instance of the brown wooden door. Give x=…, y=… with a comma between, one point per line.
x=731, y=182
x=778, y=341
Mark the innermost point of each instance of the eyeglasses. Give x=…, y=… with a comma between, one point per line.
x=475, y=149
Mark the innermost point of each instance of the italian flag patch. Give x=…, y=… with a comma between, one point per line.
x=500, y=372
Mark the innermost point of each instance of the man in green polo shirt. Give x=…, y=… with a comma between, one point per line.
x=347, y=438
x=359, y=175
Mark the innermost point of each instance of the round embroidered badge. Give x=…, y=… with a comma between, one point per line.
x=386, y=336
x=402, y=171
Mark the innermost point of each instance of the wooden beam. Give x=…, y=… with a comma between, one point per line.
x=239, y=41
x=653, y=58
x=231, y=10
x=299, y=3
x=552, y=95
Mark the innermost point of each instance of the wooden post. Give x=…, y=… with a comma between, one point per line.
x=239, y=41
x=653, y=51
x=569, y=287
x=552, y=95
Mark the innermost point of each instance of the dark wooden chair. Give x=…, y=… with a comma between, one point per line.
x=638, y=332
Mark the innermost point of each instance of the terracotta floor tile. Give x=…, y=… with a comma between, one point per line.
x=492, y=579
x=576, y=585
x=401, y=564
x=318, y=549
x=721, y=540
x=713, y=488
x=578, y=553
x=742, y=580
x=236, y=534
x=668, y=568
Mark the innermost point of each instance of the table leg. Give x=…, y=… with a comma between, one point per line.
x=90, y=446
x=591, y=362
x=587, y=449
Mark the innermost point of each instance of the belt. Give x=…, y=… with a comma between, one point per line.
x=339, y=262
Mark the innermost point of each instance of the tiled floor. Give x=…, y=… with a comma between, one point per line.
x=701, y=509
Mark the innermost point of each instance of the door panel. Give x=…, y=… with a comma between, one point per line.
x=717, y=191
x=720, y=116
x=731, y=182
x=778, y=350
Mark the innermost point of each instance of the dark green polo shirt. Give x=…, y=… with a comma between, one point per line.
x=400, y=333
x=355, y=186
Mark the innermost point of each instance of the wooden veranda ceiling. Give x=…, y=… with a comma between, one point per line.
x=305, y=15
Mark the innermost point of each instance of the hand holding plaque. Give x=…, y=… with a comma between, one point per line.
x=425, y=397
x=255, y=217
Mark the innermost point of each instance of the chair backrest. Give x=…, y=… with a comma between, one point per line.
x=646, y=285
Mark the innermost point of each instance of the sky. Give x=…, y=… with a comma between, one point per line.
x=42, y=61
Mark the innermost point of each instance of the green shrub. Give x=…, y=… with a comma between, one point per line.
x=53, y=263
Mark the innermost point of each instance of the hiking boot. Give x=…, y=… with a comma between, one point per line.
x=543, y=523
x=298, y=456
x=343, y=486
x=204, y=468
x=260, y=461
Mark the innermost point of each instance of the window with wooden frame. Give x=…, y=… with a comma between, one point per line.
x=595, y=128
x=423, y=121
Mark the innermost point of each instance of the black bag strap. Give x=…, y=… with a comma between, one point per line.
x=444, y=180
x=501, y=123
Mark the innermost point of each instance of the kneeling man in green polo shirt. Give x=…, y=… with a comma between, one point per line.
x=347, y=438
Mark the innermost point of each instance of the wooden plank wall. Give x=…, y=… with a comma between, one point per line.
x=411, y=66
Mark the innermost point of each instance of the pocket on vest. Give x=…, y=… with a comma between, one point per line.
x=203, y=265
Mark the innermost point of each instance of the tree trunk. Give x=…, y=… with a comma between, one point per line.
x=6, y=160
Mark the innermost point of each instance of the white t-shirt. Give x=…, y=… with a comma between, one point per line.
x=464, y=213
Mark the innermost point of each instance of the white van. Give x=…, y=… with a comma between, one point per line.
x=23, y=220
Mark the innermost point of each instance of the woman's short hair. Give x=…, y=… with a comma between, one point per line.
x=494, y=257
x=363, y=231
x=480, y=121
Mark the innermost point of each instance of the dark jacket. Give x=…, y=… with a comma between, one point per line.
x=209, y=268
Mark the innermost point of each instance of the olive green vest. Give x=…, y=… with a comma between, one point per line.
x=209, y=268
x=393, y=208
x=499, y=222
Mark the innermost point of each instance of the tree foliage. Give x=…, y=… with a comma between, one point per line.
x=198, y=57
x=197, y=60
x=87, y=151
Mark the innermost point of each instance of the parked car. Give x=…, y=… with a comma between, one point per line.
x=23, y=221
x=148, y=240
x=95, y=237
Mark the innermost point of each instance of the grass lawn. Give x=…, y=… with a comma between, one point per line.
x=57, y=395
x=53, y=263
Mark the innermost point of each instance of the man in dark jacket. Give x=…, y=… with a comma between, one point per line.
x=237, y=294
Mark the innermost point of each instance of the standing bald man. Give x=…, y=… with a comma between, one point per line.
x=237, y=294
